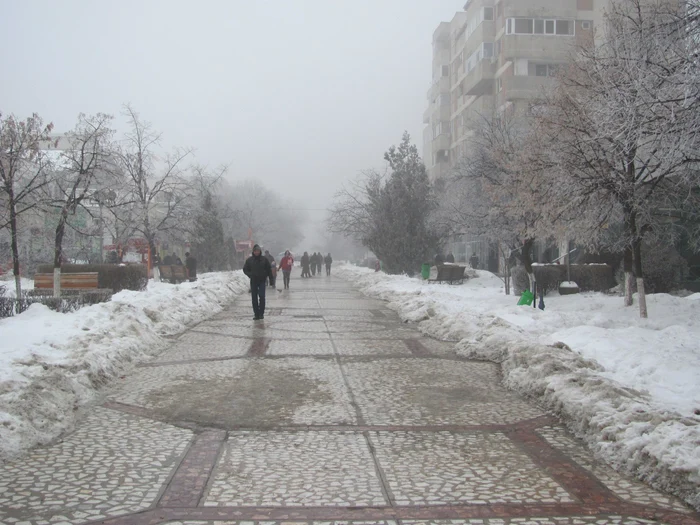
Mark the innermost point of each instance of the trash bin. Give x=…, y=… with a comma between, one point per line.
x=526, y=298
x=425, y=271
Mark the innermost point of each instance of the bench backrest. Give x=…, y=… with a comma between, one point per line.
x=450, y=272
x=179, y=272
x=69, y=281
x=166, y=272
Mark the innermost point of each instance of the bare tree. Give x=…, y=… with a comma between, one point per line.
x=494, y=194
x=623, y=126
x=157, y=192
x=88, y=154
x=23, y=172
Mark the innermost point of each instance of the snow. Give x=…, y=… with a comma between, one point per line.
x=53, y=363
x=629, y=387
x=8, y=282
x=568, y=284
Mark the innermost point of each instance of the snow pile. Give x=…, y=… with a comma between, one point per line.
x=629, y=387
x=8, y=283
x=52, y=363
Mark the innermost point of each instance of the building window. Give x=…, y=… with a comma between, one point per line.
x=488, y=13
x=541, y=70
x=499, y=84
x=488, y=49
x=445, y=71
x=586, y=24
x=533, y=26
x=565, y=27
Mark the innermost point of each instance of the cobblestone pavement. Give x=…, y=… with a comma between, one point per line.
x=330, y=411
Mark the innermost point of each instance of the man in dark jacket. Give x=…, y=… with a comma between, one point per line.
x=450, y=258
x=191, y=265
x=258, y=269
x=328, y=260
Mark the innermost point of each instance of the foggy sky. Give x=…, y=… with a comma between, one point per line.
x=301, y=94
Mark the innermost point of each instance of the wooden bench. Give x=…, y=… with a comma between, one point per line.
x=69, y=281
x=172, y=273
x=450, y=273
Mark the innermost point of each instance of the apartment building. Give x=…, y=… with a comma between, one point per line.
x=494, y=55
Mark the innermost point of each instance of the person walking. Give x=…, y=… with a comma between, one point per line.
x=271, y=258
x=319, y=262
x=328, y=260
x=191, y=265
x=312, y=262
x=258, y=269
x=305, y=265
x=286, y=264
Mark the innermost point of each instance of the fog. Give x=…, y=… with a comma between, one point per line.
x=300, y=95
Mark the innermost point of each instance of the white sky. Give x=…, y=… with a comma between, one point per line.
x=301, y=94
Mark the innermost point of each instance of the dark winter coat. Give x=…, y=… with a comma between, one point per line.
x=258, y=268
x=328, y=260
x=439, y=259
x=191, y=264
x=305, y=261
x=450, y=258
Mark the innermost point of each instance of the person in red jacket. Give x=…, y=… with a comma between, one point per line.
x=286, y=264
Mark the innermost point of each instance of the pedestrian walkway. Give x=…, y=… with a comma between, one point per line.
x=331, y=410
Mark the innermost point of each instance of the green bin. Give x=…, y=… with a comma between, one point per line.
x=526, y=298
x=425, y=271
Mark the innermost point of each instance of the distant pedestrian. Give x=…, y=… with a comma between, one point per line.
x=258, y=269
x=312, y=262
x=439, y=259
x=305, y=265
x=271, y=258
x=319, y=262
x=169, y=260
x=178, y=261
x=191, y=265
x=474, y=261
x=286, y=264
x=328, y=260
x=450, y=258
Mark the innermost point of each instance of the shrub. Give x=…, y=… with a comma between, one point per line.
x=548, y=276
x=109, y=276
x=591, y=277
x=663, y=267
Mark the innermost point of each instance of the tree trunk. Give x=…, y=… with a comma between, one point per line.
x=637, y=247
x=629, y=276
x=527, y=262
x=58, y=253
x=15, y=247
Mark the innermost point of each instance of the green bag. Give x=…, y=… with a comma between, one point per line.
x=425, y=271
x=526, y=298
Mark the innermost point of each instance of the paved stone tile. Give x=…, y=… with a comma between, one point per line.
x=624, y=488
x=204, y=346
x=439, y=348
x=568, y=520
x=295, y=469
x=285, y=522
x=371, y=347
x=113, y=464
x=416, y=391
x=351, y=304
x=433, y=468
x=242, y=393
x=309, y=347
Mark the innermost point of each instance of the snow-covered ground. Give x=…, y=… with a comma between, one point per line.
x=52, y=363
x=629, y=387
x=8, y=282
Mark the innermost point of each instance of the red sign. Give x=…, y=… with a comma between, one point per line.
x=244, y=246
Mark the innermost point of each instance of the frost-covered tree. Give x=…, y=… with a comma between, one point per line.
x=24, y=171
x=156, y=196
x=88, y=155
x=392, y=214
x=623, y=126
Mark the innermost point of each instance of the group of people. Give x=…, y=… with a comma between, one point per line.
x=310, y=264
x=173, y=260
x=439, y=259
x=261, y=269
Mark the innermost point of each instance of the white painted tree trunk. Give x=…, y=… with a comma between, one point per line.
x=643, y=313
x=57, y=282
x=18, y=286
x=629, y=281
x=531, y=277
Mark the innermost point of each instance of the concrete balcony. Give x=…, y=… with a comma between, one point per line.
x=440, y=113
x=426, y=115
x=537, y=47
x=480, y=80
x=525, y=87
x=442, y=142
x=441, y=85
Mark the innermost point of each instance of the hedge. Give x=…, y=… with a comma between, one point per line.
x=71, y=302
x=589, y=277
x=113, y=277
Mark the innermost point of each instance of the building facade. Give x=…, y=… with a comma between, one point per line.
x=494, y=55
